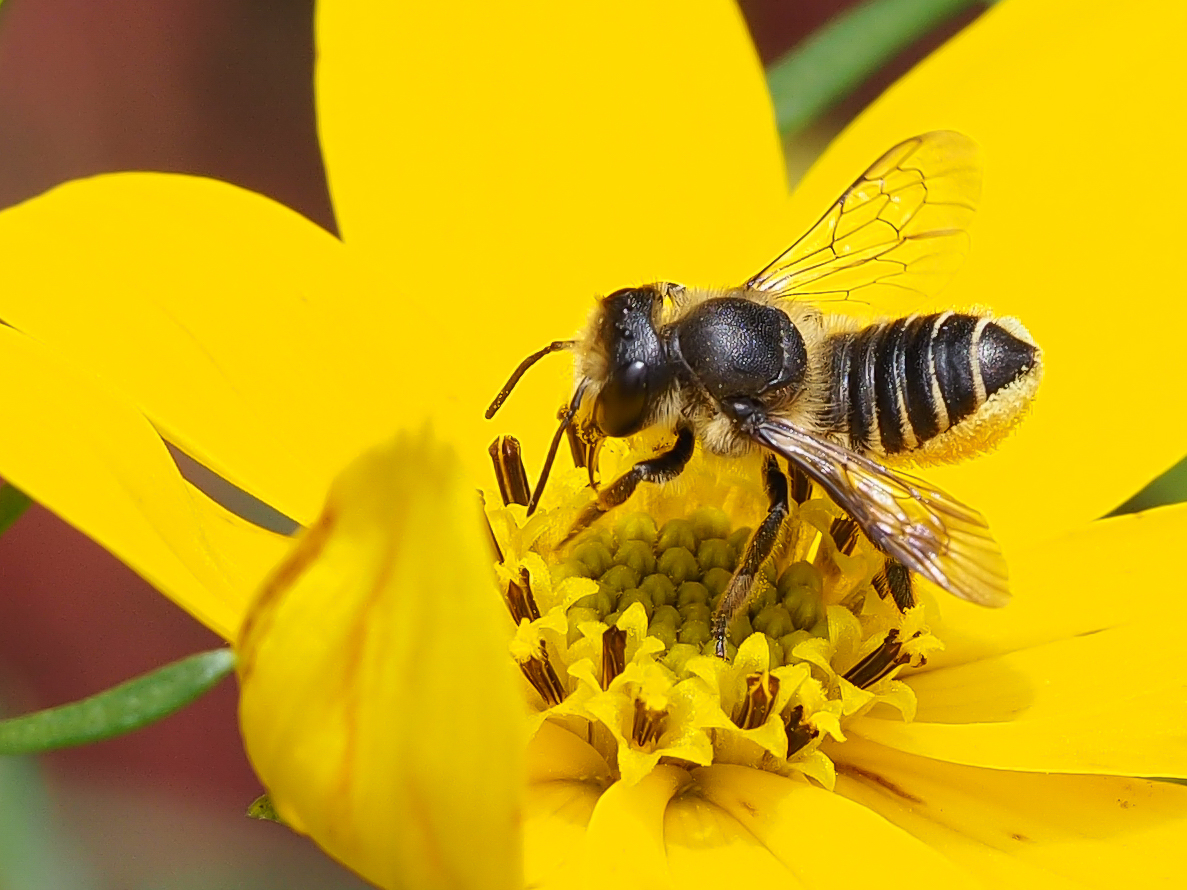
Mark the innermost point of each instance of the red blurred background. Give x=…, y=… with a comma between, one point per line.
x=220, y=88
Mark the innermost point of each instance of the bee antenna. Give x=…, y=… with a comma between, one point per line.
x=556, y=441
x=554, y=346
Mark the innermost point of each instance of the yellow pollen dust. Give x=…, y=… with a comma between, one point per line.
x=613, y=629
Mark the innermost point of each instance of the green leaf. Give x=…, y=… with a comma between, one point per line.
x=13, y=502
x=839, y=56
x=1169, y=488
x=118, y=710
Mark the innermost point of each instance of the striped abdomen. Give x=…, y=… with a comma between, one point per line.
x=898, y=384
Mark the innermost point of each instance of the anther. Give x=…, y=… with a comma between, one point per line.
x=753, y=710
x=520, y=600
x=648, y=725
x=540, y=673
x=507, y=457
x=613, y=655
x=494, y=542
x=799, y=733
x=878, y=663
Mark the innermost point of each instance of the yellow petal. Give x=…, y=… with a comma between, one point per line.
x=89, y=456
x=1076, y=236
x=550, y=154
x=565, y=779
x=214, y=311
x=624, y=843
x=738, y=819
x=1114, y=702
x=708, y=847
x=1110, y=573
x=1083, y=673
x=1006, y=827
x=557, y=755
x=555, y=818
x=378, y=703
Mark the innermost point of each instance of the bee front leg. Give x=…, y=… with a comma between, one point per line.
x=761, y=543
x=664, y=467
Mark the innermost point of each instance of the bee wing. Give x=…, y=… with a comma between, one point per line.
x=901, y=226
x=928, y=531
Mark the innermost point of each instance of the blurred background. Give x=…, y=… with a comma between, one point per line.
x=220, y=88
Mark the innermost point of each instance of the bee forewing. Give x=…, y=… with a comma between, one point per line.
x=928, y=531
x=902, y=226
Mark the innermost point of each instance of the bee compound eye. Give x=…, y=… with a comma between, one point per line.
x=621, y=407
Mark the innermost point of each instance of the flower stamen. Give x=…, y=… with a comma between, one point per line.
x=648, y=726
x=614, y=631
x=507, y=457
x=799, y=733
x=541, y=674
x=520, y=600
x=761, y=692
x=613, y=655
x=878, y=663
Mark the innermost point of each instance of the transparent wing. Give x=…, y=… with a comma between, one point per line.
x=901, y=226
x=925, y=529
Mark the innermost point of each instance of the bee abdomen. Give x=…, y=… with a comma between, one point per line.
x=898, y=384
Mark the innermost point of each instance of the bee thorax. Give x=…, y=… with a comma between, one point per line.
x=734, y=347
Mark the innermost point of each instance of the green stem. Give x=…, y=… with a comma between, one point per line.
x=117, y=710
x=827, y=66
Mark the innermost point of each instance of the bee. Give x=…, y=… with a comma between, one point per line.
x=762, y=368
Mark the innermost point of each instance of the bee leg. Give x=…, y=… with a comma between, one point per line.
x=664, y=467
x=894, y=580
x=761, y=543
x=801, y=485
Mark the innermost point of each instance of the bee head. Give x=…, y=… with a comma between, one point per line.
x=638, y=367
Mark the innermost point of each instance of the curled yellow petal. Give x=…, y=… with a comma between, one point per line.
x=217, y=312
x=82, y=450
x=378, y=704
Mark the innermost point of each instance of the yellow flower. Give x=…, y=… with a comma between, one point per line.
x=484, y=194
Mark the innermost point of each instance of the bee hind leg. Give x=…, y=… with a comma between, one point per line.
x=894, y=580
x=758, y=548
x=664, y=467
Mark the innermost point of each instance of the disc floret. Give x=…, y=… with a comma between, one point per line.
x=613, y=635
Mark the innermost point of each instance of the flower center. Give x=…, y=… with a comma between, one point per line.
x=614, y=631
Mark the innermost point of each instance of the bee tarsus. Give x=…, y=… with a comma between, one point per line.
x=758, y=550
x=664, y=467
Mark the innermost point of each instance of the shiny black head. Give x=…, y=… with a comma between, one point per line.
x=638, y=371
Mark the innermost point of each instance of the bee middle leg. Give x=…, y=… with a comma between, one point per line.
x=664, y=467
x=892, y=580
x=761, y=543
